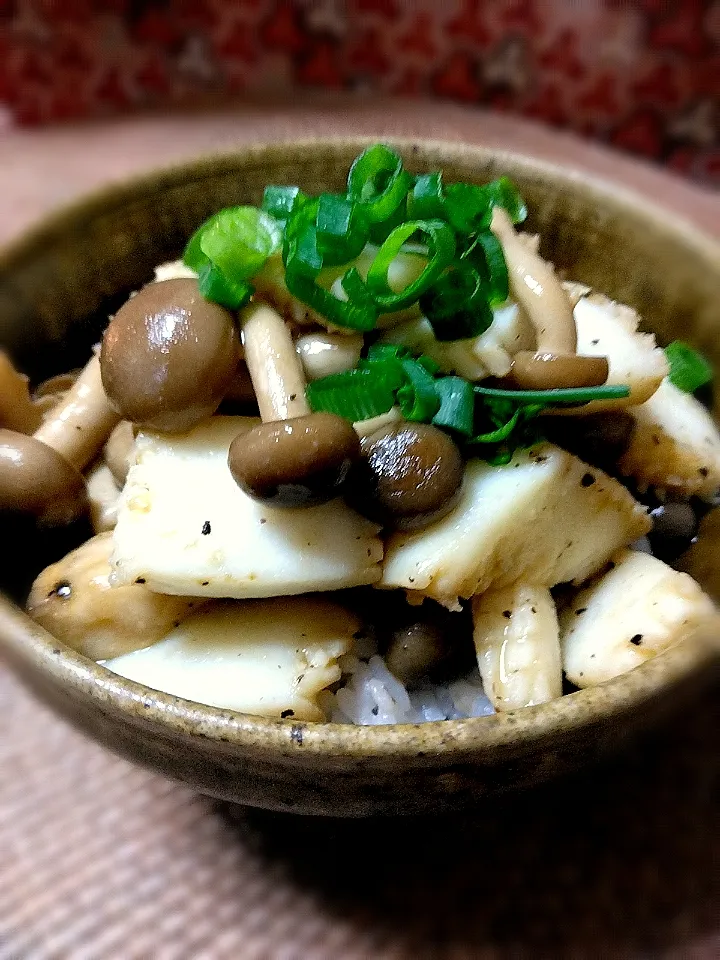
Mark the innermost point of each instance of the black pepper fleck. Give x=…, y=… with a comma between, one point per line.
x=594, y=342
x=507, y=614
x=140, y=580
x=375, y=710
x=588, y=480
x=263, y=519
x=287, y=713
x=636, y=640
x=205, y=583
x=703, y=471
x=206, y=528
x=581, y=610
x=293, y=396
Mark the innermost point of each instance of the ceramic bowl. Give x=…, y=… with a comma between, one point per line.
x=56, y=288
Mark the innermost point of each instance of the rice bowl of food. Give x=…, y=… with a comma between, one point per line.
x=376, y=474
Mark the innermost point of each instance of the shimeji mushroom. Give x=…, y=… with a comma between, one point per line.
x=409, y=475
x=48, y=394
x=119, y=451
x=295, y=457
x=168, y=356
x=323, y=353
x=534, y=285
x=73, y=600
x=40, y=474
x=611, y=330
x=17, y=410
x=103, y=495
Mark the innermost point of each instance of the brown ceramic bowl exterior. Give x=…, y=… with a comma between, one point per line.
x=74, y=264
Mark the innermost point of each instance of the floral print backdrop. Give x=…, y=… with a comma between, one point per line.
x=643, y=75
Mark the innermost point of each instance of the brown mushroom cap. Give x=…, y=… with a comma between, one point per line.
x=294, y=463
x=35, y=479
x=409, y=475
x=17, y=411
x=415, y=649
x=168, y=356
x=548, y=371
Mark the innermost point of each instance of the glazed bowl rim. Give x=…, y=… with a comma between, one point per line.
x=34, y=646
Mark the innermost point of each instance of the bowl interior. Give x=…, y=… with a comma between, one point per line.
x=59, y=284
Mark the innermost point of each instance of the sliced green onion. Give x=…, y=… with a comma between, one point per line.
x=302, y=216
x=418, y=398
x=341, y=232
x=302, y=257
x=378, y=182
x=215, y=286
x=573, y=396
x=379, y=232
x=502, y=456
x=689, y=370
x=342, y=313
x=239, y=240
x=389, y=368
x=468, y=207
x=441, y=243
x=457, y=304
x=489, y=254
x=432, y=366
x=355, y=395
x=388, y=351
x=457, y=405
x=426, y=201
x=193, y=256
x=280, y=202
x=503, y=193
x=501, y=433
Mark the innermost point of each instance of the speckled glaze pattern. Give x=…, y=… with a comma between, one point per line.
x=76, y=263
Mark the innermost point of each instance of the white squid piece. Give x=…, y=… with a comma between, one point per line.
x=518, y=647
x=266, y=657
x=629, y=615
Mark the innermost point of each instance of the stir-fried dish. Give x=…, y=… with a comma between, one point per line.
x=367, y=457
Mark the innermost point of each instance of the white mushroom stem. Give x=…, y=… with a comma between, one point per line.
x=103, y=497
x=535, y=286
x=119, y=451
x=275, y=368
x=17, y=411
x=81, y=423
x=324, y=353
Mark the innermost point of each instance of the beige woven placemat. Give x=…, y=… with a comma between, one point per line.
x=99, y=859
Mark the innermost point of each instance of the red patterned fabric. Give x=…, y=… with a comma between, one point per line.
x=643, y=75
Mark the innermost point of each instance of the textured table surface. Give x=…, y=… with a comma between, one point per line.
x=99, y=859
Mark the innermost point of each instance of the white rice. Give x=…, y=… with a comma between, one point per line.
x=370, y=695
